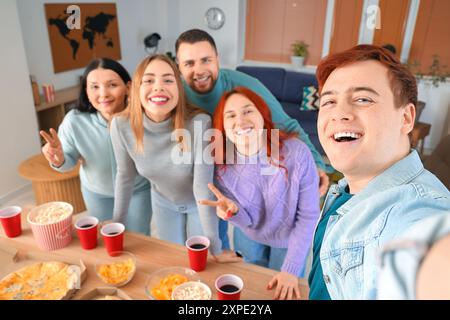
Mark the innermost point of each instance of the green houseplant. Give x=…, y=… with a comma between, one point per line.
x=299, y=53
x=435, y=75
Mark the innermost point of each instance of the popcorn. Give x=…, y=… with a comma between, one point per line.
x=51, y=214
x=192, y=291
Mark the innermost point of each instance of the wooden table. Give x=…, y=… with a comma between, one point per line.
x=153, y=254
x=50, y=185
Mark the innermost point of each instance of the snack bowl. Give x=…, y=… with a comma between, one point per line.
x=192, y=290
x=161, y=283
x=116, y=270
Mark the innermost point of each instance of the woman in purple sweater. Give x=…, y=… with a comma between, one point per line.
x=268, y=188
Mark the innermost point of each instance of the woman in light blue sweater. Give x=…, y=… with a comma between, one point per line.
x=160, y=136
x=84, y=135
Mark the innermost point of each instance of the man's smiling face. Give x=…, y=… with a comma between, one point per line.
x=359, y=126
x=199, y=64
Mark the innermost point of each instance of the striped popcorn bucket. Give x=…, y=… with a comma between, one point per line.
x=52, y=235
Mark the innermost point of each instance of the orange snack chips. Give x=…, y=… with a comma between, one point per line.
x=116, y=273
x=163, y=291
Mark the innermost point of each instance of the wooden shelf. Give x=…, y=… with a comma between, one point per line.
x=51, y=114
x=62, y=97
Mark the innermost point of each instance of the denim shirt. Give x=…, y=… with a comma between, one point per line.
x=402, y=195
x=401, y=259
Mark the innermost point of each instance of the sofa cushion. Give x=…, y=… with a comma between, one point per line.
x=310, y=100
x=294, y=82
x=271, y=78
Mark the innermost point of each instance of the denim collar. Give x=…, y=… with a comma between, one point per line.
x=398, y=174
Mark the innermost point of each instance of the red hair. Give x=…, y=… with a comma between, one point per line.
x=264, y=110
x=402, y=81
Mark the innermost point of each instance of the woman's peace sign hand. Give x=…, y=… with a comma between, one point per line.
x=225, y=207
x=52, y=150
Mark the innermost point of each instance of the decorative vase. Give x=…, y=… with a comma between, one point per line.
x=297, y=62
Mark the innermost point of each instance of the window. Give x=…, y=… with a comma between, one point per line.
x=394, y=15
x=273, y=25
x=431, y=34
x=346, y=23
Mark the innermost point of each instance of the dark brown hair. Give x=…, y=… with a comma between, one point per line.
x=194, y=36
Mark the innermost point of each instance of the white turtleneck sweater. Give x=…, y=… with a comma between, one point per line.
x=184, y=183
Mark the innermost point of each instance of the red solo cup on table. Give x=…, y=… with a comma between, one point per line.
x=229, y=287
x=198, y=252
x=113, y=237
x=87, y=232
x=10, y=218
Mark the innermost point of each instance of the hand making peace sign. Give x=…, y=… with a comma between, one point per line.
x=225, y=207
x=52, y=150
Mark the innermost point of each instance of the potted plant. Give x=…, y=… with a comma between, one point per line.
x=299, y=53
x=435, y=75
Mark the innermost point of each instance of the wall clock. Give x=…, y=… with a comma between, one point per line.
x=215, y=18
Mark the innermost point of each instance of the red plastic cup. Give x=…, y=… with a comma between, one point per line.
x=87, y=228
x=229, y=287
x=113, y=237
x=11, y=222
x=198, y=252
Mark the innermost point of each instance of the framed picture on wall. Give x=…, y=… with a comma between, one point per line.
x=80, y=32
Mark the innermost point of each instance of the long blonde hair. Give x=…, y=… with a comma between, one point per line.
x=134, y=112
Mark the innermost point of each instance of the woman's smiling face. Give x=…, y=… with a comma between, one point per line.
x=159, y=92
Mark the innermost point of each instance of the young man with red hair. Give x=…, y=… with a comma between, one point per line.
x=367, y=110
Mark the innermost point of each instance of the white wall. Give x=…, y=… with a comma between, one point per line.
x=136, y=18
x=18, y=123
x=191, y=15
x=436, y=112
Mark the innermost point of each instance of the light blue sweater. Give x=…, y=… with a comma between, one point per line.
x=230, y=79
x=86, y=136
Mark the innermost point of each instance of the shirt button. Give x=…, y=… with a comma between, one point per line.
x=326, y=278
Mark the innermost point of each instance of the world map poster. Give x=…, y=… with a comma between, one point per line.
x=78, y=35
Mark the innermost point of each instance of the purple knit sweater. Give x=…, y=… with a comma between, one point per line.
x=273, y=210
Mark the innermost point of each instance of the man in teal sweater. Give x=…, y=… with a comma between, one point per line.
x=205, y=83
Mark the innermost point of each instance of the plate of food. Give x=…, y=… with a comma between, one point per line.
x=105, y=293
x=37, y=278
x=116, y=270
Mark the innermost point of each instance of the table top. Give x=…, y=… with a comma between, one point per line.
x=152, y=254
x=37, y=168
